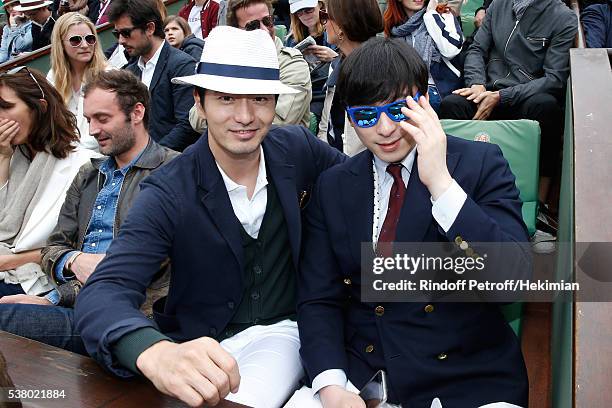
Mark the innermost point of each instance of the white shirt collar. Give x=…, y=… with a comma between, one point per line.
x=153, y=60
x=262, y=177
x=381, y=165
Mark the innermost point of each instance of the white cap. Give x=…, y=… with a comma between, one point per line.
x=296, y=5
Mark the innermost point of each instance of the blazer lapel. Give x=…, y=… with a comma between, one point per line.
x=283, y=176
x=215, y=198
x=358, y=196
x=160, y=66
x=416, y=216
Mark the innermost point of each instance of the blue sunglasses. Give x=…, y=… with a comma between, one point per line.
x=368, y=116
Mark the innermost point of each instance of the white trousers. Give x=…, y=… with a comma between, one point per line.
x=269, y=362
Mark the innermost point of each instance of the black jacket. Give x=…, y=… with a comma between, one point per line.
x=193, y=46
x=521, y=58
x=170, y=103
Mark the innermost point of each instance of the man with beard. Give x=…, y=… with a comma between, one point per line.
x=116, y=106
x=139, y=29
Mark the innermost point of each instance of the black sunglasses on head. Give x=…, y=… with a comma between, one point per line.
x=268, y=21
x=323, y=17
x=18, y=69
x=77, y=40
x=124, y=32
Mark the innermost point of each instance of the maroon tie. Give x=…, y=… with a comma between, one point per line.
x=396, y=199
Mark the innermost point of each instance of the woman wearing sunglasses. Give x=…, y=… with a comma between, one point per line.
x=436, y=35
x=348, y=24
x=38, y=161
x=16, y=34
x=179, y=35
x=75, y=57
x=305, y=22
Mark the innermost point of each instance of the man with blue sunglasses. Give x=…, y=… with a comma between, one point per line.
x=414, y=184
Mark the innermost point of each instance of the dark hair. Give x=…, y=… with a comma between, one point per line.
x=54, y=128
x=180, y=21
x=381, y=70
x=235, y=5
x=360, y=20
x=140, y=12
x=127, y=87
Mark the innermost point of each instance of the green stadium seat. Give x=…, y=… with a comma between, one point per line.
x=281, y=32
x=519, y=141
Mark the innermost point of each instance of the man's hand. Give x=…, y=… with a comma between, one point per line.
x=8, y=130
x=25, y=300
x=470, y=93
x=425, y=128
x=322, y=53
x=84, y=265
x=196, y=372
x=486, y=101
x=479, y=17
x=334, y=396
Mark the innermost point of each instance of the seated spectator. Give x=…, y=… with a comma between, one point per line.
x=116, y=102
x=597, y=23
x=179, y=35
x=16, y=34
x=42, y=20
x=68, y=6
x=227, y=215
x=434, y=353
x=201, y=15
x=139, y=29
x=348, y=24
x=305, y=22
x=436, y=36
x=517, y=68
x=37, y=163
x=291, y=109
x=76, y=57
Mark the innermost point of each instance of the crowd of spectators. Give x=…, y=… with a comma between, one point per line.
x=514, y=66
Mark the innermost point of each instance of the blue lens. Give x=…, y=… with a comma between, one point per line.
x=366, y=117
x=395, y=111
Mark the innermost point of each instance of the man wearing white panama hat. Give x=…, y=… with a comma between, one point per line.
x=42, y=20
x=227, y=214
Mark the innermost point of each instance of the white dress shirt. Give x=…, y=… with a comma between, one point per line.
x=250, y=212
x=148, y=68
x=444, y=210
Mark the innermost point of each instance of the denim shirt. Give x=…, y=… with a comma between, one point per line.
x=100, y=231
x=15, y=40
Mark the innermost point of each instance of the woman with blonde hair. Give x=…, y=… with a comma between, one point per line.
x=76, y=57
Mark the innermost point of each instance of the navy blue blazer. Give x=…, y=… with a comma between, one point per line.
x=463, y=353
x=170, y=103
x=184, y=212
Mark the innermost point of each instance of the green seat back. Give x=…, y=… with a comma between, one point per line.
x=468, y=9
x=281, y=32
x=519, y=141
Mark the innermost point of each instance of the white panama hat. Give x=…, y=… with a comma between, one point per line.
x=295, y=5
x=25, y=5
x=238, y=62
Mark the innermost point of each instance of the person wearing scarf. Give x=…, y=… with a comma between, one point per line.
x=435, y=34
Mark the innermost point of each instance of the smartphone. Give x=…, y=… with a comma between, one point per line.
x=374, y=393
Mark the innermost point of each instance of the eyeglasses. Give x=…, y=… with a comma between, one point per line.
x=308, y=10
x=124, y=32
x=268, y=21
x=77, y=40
x=323, y=17
x=18, y=69
x=368, y=116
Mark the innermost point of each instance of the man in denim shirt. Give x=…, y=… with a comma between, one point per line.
x=116, y=106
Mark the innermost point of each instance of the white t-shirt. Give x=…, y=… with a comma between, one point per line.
x=195, y=23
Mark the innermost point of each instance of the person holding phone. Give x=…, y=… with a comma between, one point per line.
x=412, y=184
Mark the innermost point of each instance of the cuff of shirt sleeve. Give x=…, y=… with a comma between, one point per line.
x=53, y=297
x=61, y=264
x=447, y=207
x=334, y=376
x=130, y=346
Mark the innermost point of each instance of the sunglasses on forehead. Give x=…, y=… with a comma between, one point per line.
x=368, y=116
x=77, y=40
x=267, y=21
x=19, y=69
